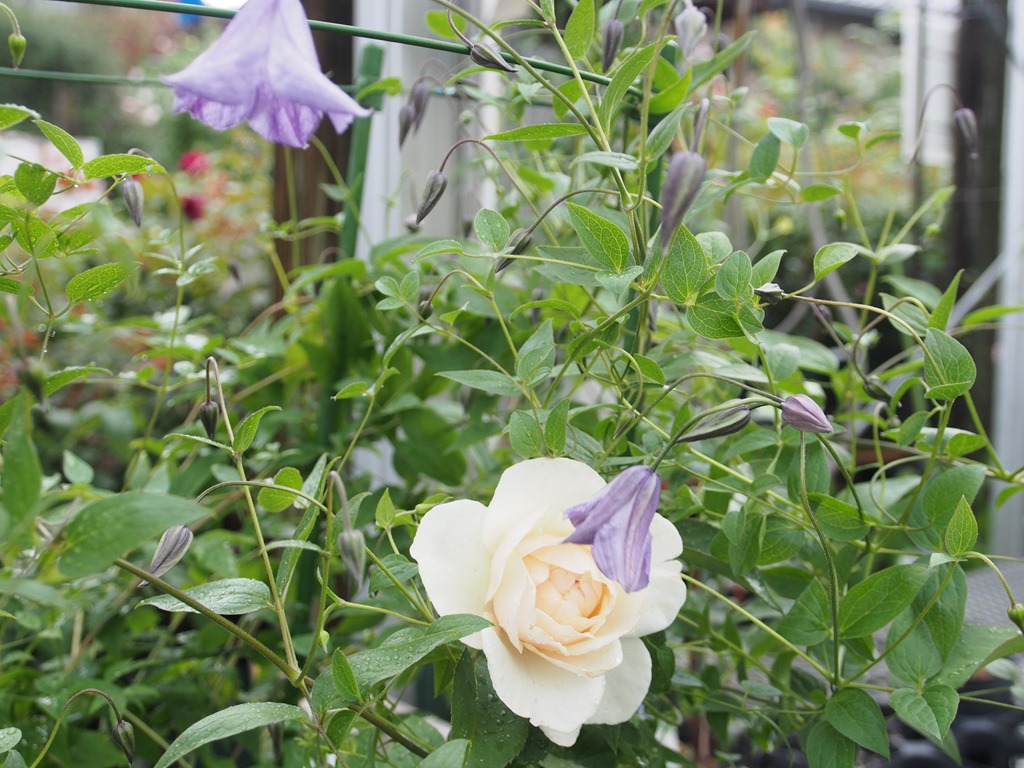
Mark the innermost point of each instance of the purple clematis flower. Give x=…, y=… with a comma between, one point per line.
x=617, y=522
x=264, y=69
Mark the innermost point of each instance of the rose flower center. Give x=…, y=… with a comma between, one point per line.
x=565, y=596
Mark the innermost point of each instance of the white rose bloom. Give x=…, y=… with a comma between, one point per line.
x=565, y=648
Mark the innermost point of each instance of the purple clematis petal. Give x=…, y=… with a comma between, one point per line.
x=264, y=69
x=617, y=522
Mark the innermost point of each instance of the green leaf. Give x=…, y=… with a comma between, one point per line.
x=602, y=238
x=491, y=228
x=686, y=267
x=807, y=622
x=438, y=23
x=828, y=748
x=745, y=541
x=245, y=433
x=962, y=531
x=229, y=722
x=857, y=716
x=790, y=131
x=273, y=500
x=451, y=754
x=930, y=712
x=404, y=648
x=878, y=599
x=77, y=472
x=579, y=29
x=839, y=520
x=9, y=738
x=227, y=597
x=96, y=282
x=109, y=528
x=105, y=166
x=624, y=77
x=17, y=287
x=714, y=318
x=59, y=379
x=344, y=678
x=815, y=193
x=63, y=141
x=540, y=131
x=732, y=281
x=958, y=482
x=619, y=160
x=385, y=514
x=831, y=257
x=765, y=269
x=401, y=569
x=555, y=427
x=708, y=69
x=494, y=382
x=765, y=157
x=664, y=133
x=12, y=114
x=496, y=735
x=15, y=760
x=949, y=370
x=525, y=435
x=21, y=474
x=975, y=647
x=34, y=182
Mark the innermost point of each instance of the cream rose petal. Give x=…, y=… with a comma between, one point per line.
x=536, y=689
x=666, y=593
x=453, y=563
x=626, y=685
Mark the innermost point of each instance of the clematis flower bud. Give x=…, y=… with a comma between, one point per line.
x=616, y=521
x=614, y=31
x=133, y=194
x=124, y=737
x=419, y=95
x=517, y=244
x=172, y=547
x=718, y=423
x=406, y=120
x=436, y=183
x=691, y=26
x=700, y=121
x=876, y=389
x=485, y=57
x=803, y=413
x=1016, y=614
x=352, y=549
x=771, y=293
x=686, y=171
x=17, y=44
x=208, y=413
x=967, y=123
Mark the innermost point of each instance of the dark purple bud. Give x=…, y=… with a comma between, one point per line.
x=406, y=120
x=17, y=45
x=700, y=121
x=208, y=417
x=718, y=423
x=686, y=171
x=771, y=293
x=803, y=413
x=133, y=195
x=614, y=31
x=485, y=57
x=517, y=244
x=124, y=737
x=616, y=521
x=967, y=123
x=172, y=547
x=418, y=97
x=436, y=182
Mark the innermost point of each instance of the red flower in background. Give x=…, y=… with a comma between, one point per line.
x=194, y=162
x=193, y=206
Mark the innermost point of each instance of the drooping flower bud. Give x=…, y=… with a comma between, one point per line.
x=208, y=412
x=516, y=245
x=352, y=549
x=700, y=121
x=686, y=171
x=967, y=123
x=616, y=521
x=172, y=547
x=614, y=31
x=17, y=44
x=1016, y=614
x=406, y=120
x=436, y=183
x=803, y=413
x=124, y=737
x=133, y=195
x=419, y=96
x=691, y=26
x=718, y=423
x=876, y=389
x=771, y=293
x=485, y=57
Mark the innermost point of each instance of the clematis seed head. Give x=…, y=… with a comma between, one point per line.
x=436, y=183
x=803, y=413
x=614, y=31
x=17, y=44
x=616, y=521
x=685, y=175
x=133, y=194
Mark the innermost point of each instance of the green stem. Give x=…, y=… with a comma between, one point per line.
x=64, y=711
